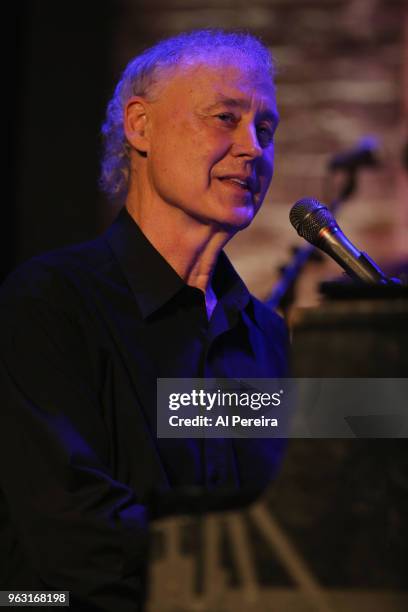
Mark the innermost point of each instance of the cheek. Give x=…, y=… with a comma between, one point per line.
x=202, y=158
x=178, y=173
x=168, y=156
x=266, y=169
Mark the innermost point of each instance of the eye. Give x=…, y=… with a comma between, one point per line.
x=265, y=134
x=227, y=118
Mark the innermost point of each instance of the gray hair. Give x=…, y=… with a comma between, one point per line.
x=144, y=72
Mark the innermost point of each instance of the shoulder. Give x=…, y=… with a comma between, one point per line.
x=54, y=275
x=47, y=306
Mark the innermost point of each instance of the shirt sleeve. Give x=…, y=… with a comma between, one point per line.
x=79, y=529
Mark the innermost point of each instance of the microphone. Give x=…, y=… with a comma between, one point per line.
x=364, y=154
x=316, y=224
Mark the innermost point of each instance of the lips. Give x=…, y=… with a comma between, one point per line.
x=247, y=183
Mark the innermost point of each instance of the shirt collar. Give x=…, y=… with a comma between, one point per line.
x=153, y=281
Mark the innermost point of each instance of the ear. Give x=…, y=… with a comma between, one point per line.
x=135, y=123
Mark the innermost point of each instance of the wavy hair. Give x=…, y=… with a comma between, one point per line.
x=146, y=70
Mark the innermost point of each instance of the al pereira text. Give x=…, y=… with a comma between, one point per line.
x=222, y=421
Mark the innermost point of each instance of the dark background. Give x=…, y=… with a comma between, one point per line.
x=62, y=81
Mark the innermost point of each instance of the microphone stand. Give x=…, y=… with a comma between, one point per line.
x=282, y=294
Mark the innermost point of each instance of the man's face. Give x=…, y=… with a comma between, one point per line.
x=211, y=145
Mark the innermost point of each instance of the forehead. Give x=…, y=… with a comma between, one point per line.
x=220, y=80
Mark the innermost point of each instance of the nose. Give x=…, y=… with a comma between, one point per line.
x=246, y=143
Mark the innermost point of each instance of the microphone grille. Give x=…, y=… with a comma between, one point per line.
x=308, y=217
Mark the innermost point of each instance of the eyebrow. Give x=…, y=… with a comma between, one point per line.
x=237, y=103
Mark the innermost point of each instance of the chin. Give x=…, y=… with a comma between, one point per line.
x=240, y=217
x=235, y=222
x=229, y=216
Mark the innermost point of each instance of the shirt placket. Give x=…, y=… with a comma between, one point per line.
x=220, y=463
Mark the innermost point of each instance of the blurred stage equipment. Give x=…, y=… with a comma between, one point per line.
x=359, y=330
x=363, y=154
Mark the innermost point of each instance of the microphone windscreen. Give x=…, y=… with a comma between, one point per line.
x=308, y=217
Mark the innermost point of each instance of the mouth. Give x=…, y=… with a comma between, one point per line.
x=246, y=184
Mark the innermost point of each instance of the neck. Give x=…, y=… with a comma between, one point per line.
x=188, y=245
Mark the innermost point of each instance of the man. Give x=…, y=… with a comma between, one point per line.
x=87, y=330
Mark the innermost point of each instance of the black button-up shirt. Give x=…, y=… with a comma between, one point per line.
x=85, y=332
